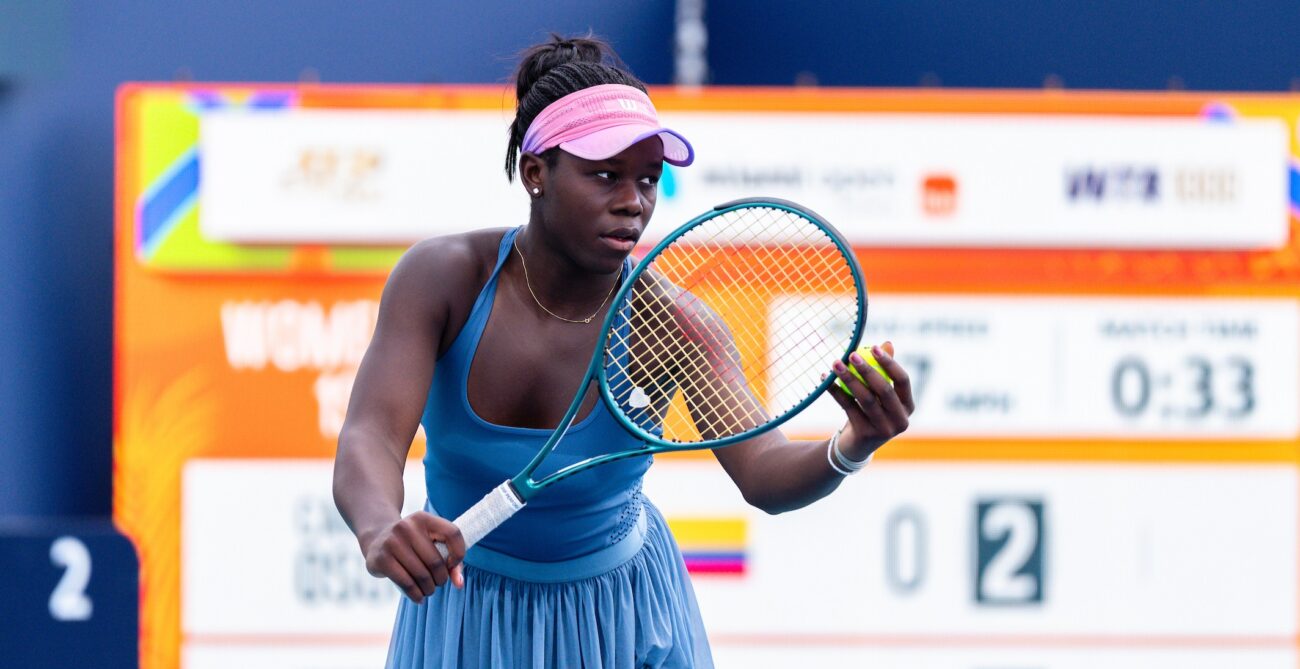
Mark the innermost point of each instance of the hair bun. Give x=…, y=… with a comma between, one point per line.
x=537, y=60
x=553, y=69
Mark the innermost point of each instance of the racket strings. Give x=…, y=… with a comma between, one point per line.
x=694, y=373
x=807, y=265
x=702, y=323
x=721, y=411
x=705, y=256
x=658, y=334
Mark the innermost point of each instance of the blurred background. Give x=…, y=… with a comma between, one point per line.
x=63, y=63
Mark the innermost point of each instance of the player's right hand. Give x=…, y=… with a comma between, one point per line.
x=405, y=554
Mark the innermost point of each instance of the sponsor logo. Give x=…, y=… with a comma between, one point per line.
x=868, y=190
x=1206, y=185
x=849, y=179
x=1116, y=183
x=753, y=177
x=342, y=173
x=939, y=194
x=1147, y=184
x=627, y=104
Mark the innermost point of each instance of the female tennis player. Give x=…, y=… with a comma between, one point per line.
x=587, y=574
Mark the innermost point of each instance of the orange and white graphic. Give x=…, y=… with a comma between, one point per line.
x=939, y=194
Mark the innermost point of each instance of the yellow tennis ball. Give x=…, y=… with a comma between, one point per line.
x=866, y=354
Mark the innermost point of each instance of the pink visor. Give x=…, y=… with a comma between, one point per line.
x=599, y=122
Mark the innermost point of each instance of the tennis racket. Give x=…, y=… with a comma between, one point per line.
x=750, y=300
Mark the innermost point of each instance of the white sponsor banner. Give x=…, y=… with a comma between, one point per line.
x=1025, y=555
x=772, y=654
x=1007, y=554
x=266, y=553
x=324, y=653
x=1081, y=367
x=775, y=656
x=998, y=180
x=353, y=176
x=386, y=176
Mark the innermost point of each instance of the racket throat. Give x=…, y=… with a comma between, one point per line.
x=523, y=485
x=510, y=490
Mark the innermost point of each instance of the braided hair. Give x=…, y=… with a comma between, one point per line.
x=552, y=70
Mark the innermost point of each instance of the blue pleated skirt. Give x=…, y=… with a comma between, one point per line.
x=627, y=606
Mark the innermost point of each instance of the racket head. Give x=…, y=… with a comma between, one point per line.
x=725, y=329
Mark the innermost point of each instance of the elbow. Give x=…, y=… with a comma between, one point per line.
x=776, y=509
x=338, y=486
x=765, y=502
x=762, y=493
x=342, y=468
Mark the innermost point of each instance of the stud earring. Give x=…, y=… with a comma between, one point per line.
x=536, y=191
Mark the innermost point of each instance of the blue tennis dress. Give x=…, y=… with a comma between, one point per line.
x=586, y=575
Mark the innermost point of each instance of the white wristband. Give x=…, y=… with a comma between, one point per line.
x=830, y=459
x=839, y=462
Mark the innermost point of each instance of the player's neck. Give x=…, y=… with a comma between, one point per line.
x=556, y=282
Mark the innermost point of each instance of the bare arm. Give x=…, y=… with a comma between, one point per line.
x=384, y=411
x=684, y=340
x=777, y=475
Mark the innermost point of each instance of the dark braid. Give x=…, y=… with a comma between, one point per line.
x=550, y=71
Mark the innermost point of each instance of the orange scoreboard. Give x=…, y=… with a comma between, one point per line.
x=1097, y=296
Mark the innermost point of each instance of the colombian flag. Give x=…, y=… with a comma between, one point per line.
x=712, y=545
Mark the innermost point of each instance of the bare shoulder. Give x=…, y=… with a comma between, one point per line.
x=447, y=265
x=434, y=284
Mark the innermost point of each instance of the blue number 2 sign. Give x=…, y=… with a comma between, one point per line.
x=1009, y=536
x=69, y=595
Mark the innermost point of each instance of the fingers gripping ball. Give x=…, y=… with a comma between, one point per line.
x=865, y=352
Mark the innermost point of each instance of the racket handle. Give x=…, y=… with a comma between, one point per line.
x=495, y=508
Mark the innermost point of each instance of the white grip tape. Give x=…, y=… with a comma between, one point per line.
x=495, y=508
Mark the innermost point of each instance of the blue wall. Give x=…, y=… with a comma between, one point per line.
x=61, y=60
x=1130, y=44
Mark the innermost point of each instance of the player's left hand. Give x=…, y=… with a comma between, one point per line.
x=877, y=411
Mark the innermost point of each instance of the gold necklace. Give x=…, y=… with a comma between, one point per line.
x=524, y=263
